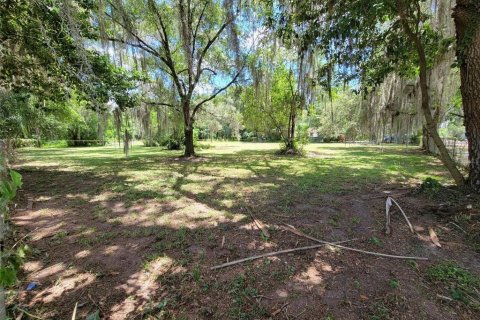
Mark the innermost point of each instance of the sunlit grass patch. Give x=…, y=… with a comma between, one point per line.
x=225, y=178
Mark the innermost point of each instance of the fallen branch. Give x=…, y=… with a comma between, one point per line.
x=260, y=226
x=404, y=215
x=444, y=297
x=275, y=253
x=299, y=233
x=28, y=314
x=388, y=204
x=74, y=315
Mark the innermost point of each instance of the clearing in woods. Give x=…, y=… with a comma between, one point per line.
x=135, y=238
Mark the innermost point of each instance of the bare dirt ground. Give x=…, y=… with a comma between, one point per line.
x=96, y=248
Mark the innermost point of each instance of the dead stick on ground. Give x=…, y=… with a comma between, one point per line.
x=444, y=297
x=404, y=214
x=260, y=226
x=275, y=253
x=74, y=315
x=299, y=233
x=29, y=314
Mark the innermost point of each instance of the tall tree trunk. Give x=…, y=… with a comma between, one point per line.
x=292, y=128
x=189, y=148
x=188, y=121
x=425, y=104
x=430, y=122
x=290, y=144
x=425, y=138
x=467, y=23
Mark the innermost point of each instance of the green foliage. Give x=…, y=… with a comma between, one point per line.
x=220, y=119
x=45, y=59
x=8, y=276
x=10, y=182
x=462, y=284
x=8, y=187
x=375, y=241
x=302, y=135
x=94, y=316
x=173, y=143
x=23, y=115
x=393, y=283
x=269, y=109
x=196, y=274
x=365, y=38
x=46, y=65
x=242, y=294
x=431, y=186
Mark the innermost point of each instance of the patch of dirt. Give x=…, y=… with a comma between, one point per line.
x=106, y=255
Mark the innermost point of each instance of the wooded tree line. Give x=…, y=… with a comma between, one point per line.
x=170, y=71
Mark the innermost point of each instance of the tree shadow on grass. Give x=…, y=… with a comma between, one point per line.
x=137, y=237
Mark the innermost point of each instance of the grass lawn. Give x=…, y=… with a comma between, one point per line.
x=135, y=237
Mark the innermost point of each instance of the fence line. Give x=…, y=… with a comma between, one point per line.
x=458, y=150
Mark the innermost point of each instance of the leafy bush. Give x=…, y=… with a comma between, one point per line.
x=82, y=135
x=247, y=136
x=330, y=139
x=10, y=259
x=302, y=135
x=415, y=139
x=431, y=186
x=174, y=144
x=171, y=142
x=151, y=143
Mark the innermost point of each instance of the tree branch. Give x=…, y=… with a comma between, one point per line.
x=207, y=47
x=168, y=54
x=208, y=69
x=216, y=93
x=153, y=103
x=140, y=40
x=194, y=37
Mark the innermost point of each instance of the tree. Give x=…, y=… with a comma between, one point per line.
x=45, y=62
x=467, y=22
x=410, y=16
x=370, y=39
x=272, y=104
x=185, y=55
x=39, y=50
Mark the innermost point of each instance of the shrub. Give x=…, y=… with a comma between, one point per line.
x=171, y=142
x=431, y=186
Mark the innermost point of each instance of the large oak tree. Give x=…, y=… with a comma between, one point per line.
x=467, y=22
x=371, y=39
x=187, y=39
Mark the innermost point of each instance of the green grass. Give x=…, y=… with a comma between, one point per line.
x=331, y=167
x=219, y=184
x=186, y=206
x=460, y=284
x=242, y=295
